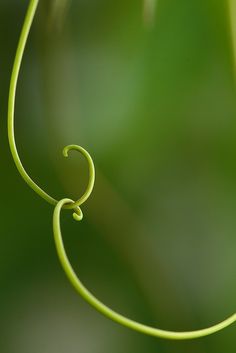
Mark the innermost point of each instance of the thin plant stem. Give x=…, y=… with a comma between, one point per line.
x=98, y=305
x=11, y=112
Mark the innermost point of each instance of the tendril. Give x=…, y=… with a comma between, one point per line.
x=98, y=305
x=11, y=133
x=91, y=167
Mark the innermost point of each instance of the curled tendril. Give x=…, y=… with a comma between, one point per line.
x=91, y=181
x=92, y=300
x=11, y=133
x=78, y=215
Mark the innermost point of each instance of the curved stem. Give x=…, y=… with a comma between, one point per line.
x=91, y=167
x=11, y=111
x=12, y=97
x=98, y=305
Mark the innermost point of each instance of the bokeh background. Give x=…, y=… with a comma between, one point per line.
x=151, y=95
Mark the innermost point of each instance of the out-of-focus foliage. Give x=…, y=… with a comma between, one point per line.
x=155, y=106
x=232, y=18
x=149, y=12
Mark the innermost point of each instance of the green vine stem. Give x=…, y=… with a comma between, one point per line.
x=92, y=300
x=75, y=205
x=11, y=111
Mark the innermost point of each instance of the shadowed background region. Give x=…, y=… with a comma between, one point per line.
x=150, y=93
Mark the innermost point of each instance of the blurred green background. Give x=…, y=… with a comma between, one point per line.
x=153, y=101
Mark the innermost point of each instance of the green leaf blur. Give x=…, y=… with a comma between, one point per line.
x=154, y=103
